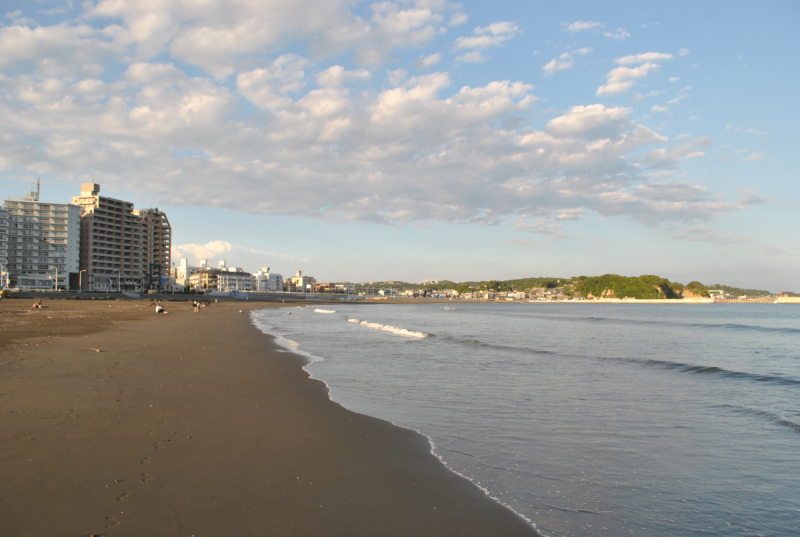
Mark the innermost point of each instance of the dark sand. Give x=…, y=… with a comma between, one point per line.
x=197, y=424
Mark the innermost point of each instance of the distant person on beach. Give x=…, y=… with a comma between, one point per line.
x=195, y=306
x=160, y=309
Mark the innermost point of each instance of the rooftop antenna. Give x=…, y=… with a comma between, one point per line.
x=33, y=195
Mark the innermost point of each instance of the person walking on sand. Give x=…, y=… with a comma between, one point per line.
x=195, y=306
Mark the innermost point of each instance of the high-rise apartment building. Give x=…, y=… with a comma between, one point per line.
x=3, y=248
x=121, y=249
x=43, y=242
x=156, y=247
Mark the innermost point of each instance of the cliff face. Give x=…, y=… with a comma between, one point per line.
x=687, y=293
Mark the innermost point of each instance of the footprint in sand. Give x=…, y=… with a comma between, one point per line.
x=151, y=433
x=147, y=460
x=159, y=446
x=111, y=522
x=147, y=477
x=124, y=498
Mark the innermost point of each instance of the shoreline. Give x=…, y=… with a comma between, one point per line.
x=431, y=443
x=200, y=424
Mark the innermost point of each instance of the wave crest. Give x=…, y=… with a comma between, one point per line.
x=388, y=328
x=320, y=310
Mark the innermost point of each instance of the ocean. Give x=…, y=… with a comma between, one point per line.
x=585, y=419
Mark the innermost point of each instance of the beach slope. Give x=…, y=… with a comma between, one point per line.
x=198, y=424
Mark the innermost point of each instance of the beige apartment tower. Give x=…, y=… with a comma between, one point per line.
x=122, y=249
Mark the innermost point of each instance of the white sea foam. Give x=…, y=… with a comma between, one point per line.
x=387, y=328
x=320, y=310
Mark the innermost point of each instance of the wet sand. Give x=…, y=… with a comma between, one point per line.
x=198, y=424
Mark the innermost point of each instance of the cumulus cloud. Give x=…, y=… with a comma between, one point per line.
x=621, y=79
x=657, y=108
x=458, y=19
x=683, y=52
x=561, y=63
x=216, y=35
x=620, y=35
x=216, y=251
x=582, y=26
x=643, y=58
x=484, y=37
x=754, y=157
x=337, y=75
x=427, y=62
x=262, y=130
x=661, y=158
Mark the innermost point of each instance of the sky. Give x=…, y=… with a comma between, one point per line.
x=418, y=140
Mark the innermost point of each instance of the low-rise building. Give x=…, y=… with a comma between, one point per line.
x=303, y=284
x=205, y=279
x=234, y=279
x=266, y=281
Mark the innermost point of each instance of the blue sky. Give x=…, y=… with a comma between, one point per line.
x=423, y=140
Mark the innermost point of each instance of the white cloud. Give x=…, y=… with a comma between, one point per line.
x=582, y=26
x=216, y=35
x=337, y=75
x=656, y=108
x=674, y=78
x=458, y=19
x=488, y=36
x=682, y=94
x=271, y=86
x=584, y=51
x=286, y=134
x=661, y=158
x=474, y=56
x=426, y=62
x=195, y=252
x=643, y=58
x=621, y=79
x=703, y=141
x=755, y=157
x=619, y=35
x=562, y=63
x=683, y=52
x=235, y=256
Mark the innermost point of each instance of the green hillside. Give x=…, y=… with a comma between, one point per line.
x=736, y=291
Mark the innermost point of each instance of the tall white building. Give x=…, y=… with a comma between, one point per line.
x=184, y=272
x=43, y=240
x=264, y=281
x=3, y=248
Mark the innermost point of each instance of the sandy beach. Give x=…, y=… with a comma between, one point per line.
x=120, y=421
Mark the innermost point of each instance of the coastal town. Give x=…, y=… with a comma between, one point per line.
x=95, y=243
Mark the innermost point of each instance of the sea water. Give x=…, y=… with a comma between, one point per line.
x=585, y=419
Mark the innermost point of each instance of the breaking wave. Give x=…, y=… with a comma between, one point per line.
x=387, y=328
x=320, y=310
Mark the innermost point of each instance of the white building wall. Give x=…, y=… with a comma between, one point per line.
x=233, y=280
x=42, y=235
x=3, y=248
x=266, y=281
